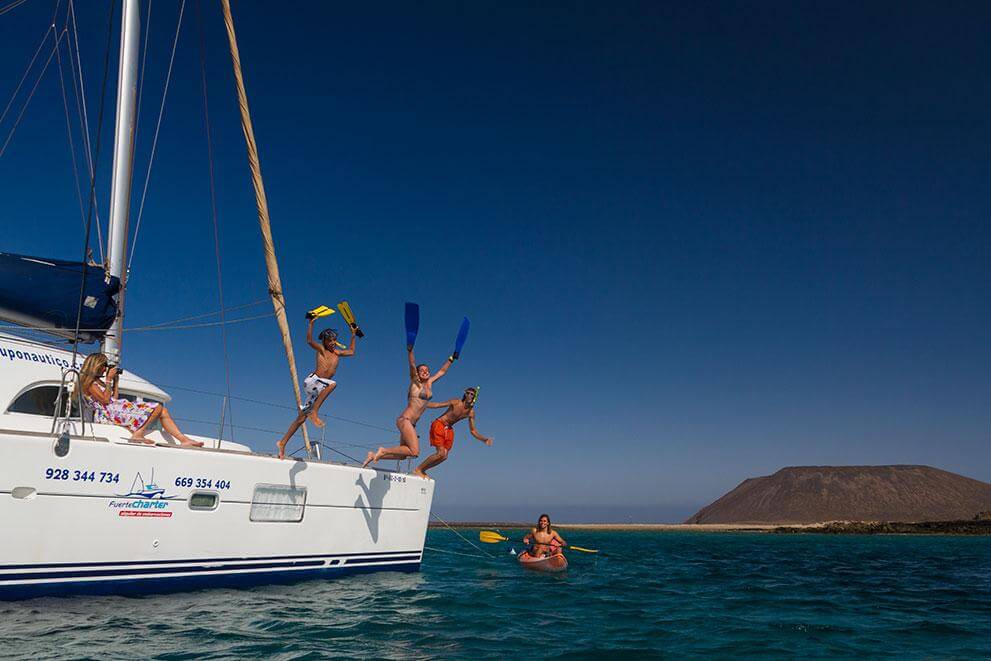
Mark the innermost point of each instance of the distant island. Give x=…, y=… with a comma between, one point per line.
x=853, y=495
x=859, y=500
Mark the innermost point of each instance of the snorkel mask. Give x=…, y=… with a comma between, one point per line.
x=474, y=391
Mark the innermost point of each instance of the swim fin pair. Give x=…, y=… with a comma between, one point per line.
x=413, y=327
x=345, y=309
x=320, y=311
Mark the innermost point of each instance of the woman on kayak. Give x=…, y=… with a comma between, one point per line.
x=546, y=542
x=421, y=383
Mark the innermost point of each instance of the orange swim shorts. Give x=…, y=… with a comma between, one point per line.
x=441, y=435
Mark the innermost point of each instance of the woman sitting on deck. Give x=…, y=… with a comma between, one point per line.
x=108, y=408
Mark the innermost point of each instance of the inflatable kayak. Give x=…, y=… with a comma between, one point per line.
x=551, y=563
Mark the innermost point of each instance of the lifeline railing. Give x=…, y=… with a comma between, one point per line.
x=67, y=388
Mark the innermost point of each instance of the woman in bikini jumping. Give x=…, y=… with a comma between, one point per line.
x=421, y=383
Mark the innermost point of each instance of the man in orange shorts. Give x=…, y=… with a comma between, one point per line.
x=442, y=429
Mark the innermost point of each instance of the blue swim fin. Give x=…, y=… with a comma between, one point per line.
x=459, y=343
x=412, y=323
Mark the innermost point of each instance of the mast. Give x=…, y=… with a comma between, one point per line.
x=123, y=168
x=271, y=263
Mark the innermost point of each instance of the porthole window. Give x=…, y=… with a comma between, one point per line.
x=40, y=400
x=203, y=500
x=277, y=502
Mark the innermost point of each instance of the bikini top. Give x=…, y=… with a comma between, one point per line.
x=417, y=390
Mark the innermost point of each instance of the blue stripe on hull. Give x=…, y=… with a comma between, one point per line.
x=165, y=584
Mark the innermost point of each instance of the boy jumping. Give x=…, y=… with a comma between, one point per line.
x=442, y=429
x=320, y=382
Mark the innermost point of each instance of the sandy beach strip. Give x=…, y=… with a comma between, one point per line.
x=631, y=527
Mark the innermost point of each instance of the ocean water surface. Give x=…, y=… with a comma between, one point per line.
x=649, y=594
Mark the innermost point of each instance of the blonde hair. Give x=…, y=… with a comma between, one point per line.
x=92, y=370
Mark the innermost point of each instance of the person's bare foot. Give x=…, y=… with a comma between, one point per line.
x=316, y=420
x=191, y=443
x=420, y=473
x=368, y=459
x=139, y=438
x=282, y=448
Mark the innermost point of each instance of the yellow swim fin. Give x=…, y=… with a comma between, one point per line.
x=345, y=309
x=320, y=311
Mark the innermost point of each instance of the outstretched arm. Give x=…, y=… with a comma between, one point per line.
x=442, y=405
x=557, y=538
x=412, y=363
x=350, y=350
x=309, y=335
x=443, y=370
x=474, y=432
x=527, y=538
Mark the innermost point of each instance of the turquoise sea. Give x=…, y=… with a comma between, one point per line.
x=651, y=594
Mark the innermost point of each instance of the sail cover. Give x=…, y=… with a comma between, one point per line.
x=44, y=294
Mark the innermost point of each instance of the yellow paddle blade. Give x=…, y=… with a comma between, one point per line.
x=490, y=537
x=580, y=549
x=345, y=309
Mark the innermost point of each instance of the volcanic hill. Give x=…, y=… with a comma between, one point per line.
x=812, y=494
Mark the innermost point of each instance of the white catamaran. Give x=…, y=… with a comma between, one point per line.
x=83, y=510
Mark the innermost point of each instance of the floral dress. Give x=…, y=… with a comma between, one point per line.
x=122, y=412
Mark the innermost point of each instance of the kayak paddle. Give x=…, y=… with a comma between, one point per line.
x=345, y=309
x=459, y=343
x=490, y=537
x=412, y=323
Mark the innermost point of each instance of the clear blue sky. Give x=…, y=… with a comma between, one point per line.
x=697, y=242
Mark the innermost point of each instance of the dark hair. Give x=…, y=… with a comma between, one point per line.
x=422, y=365
x=326, y=332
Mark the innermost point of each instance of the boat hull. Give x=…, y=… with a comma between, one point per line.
x=553, y=563
x=77, y=524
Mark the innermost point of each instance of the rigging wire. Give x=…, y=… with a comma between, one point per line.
x=30, y=66
x=154, y=142
x=27, y=102
x=207, y=314
x=80, y=92
x=138, y=329
x=278, y=406
x=144, y=60
x=92, y=181
x=277, y=433
x=68, y=131
x=12, y=6
x=209, y=324
x=213, y=209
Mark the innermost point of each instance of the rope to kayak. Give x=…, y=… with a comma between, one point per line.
x=467, y=555
x=468, y=541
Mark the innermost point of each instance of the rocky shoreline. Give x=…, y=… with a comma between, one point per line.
x=962, y=528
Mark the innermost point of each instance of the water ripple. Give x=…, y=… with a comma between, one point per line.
x=673, y=593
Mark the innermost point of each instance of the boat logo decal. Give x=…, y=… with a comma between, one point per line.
x=145, y=499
